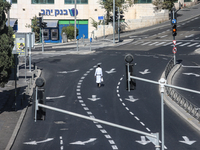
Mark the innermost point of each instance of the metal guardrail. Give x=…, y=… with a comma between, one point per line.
x=169, y=67
x=188, y=106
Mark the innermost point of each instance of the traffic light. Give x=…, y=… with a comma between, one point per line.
x=116, y=13
x=39, y=97
x=39, y=22
x=131, y=82
x=121, y=16
x=111, y=19
x=174, y=30
x=43, y=25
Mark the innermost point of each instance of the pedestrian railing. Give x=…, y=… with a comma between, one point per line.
x=188, y=106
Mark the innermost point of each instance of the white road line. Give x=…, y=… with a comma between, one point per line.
x=119, y=83
x=103, y=131
x=137, y=118
x=146, y=43
x=78, y=93
x=198, y=46
x=81, y=101
x=117, y=87
x=89, y=113
x=153, y=43
x=127, y=108
x=160, y=43
x=114, y=147
x=120, y=99
x=185, y=44
x=86, y=108
x=117, y=91
x=131, y=113
x=82, y=77
x=79, y=97
x=142, y=123
x=192, y=44
x=99, y=126
x=178, y=43
x=108, y=136
x=123, y=104
x=111, y=142
x=148, y=129
x=167, y=44
x=163, y=35
x=83, y=105
x=118, y=95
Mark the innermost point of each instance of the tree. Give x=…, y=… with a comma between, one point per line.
x=167, y=4
x=69, y=31
x=95, y=23
x=108, y=6
x=6, y=45
x=35, y=28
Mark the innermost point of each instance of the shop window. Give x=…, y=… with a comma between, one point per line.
x=77, y=1
x=142, y=1
x=42, y=1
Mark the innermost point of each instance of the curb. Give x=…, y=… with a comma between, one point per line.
x=174, y=106
x=19, y=122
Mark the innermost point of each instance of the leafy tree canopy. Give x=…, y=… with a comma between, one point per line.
x=167, y=4
x=108, y=6
x=6, y=45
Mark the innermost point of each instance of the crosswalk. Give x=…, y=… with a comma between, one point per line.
x=166, y=43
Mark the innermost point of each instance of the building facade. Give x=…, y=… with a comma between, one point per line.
x=60, y=13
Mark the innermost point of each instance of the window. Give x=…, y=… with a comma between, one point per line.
x=142, y=1
x=14, y=1
x=42, y=1
x=187, y=1
x=77, y=1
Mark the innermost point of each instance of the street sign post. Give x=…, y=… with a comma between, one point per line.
x=174, y=50
x=174, y=41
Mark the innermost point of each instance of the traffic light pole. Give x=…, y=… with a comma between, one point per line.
x=118, y=26
x=163, y=84
x=42, y=37
x=113, y=21
x=154, y=137
x=174, y=13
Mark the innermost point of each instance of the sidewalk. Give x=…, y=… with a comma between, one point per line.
x=12, y=110
x=11, y=116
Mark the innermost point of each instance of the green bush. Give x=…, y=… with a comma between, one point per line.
x=69, y=31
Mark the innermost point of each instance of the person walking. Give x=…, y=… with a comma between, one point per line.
x=99, y=75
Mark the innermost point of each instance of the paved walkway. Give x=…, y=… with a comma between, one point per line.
x=13, y=109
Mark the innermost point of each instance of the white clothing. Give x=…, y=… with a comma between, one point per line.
x=98, y=74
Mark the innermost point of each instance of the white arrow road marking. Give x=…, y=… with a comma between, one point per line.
x=143, y=141
x=197, y=75
x=68, y=71
x=187, y=141
x=189, y=35
x=94, y=98
x=37, y=142
x=111, y=71
x=55, y=97
x=84, y=142
x=145, y=71
x=131, y=99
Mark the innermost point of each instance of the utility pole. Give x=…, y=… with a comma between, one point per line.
x=113, y=21
x=75, y=25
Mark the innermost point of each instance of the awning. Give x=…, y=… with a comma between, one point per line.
x=12, y=22
x=51, y=23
